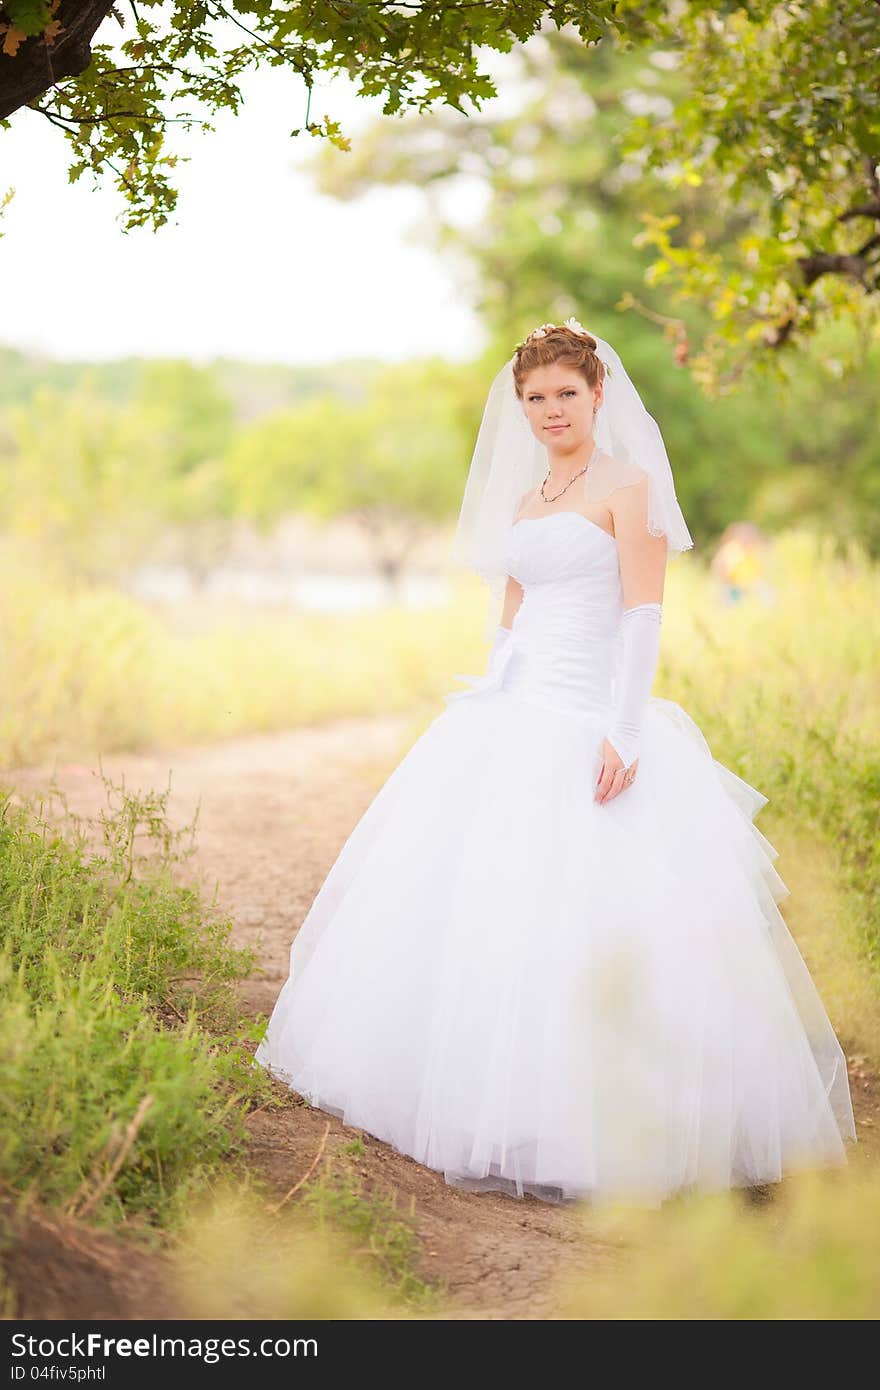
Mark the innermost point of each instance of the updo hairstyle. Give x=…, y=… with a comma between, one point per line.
x=558, y=343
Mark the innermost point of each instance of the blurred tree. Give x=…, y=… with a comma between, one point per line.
x=559, y=206
x=251, y=388
x=81, y=483
x=191, y=421
x=550, y=225
x=394, y=463
x=189, y=406
x=777, y=120
x=759, y=200
x=115, y=100
x=829, y=427
x=190, y=418
x=554, y=235
x=775, y=115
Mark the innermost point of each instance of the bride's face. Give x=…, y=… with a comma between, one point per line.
x=559, y=406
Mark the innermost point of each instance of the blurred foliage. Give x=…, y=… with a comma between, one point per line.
x=174, y=63
x=392, y=462
x=558, y=233
x=252, y=389
x=237, y=1258
x=81, y=481
x=189, y=407
x=738, y=145
x=92, y=482
x=565, y=175
x=101, y=470
x=98, y=468
x=776, y=120
x=536, y=204
x=104, y=465
x=768, y=112
x=807, y=1254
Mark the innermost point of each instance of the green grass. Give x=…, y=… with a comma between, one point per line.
x=125, y=1077
x=70, y=660
x=346, y=1254
x=123, y=1067
x=383, y=1242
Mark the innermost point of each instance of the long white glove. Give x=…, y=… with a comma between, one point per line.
x=499, y=641
x=641, y=649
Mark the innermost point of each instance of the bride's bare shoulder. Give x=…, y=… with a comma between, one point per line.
x=618, y=467
x=610, y=473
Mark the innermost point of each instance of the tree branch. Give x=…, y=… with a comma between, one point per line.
x=38, y=65
x=863, y=210
x=836, y=263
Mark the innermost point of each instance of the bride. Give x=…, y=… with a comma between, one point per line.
x=549, y=958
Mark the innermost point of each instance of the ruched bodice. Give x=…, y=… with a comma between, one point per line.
x=564, y=640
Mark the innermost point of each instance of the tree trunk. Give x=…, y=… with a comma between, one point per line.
x=37, y=66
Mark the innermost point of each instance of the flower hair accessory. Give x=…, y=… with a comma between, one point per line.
x=571, y=323
x=539, y=332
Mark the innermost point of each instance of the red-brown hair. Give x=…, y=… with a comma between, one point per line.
x=559, y=344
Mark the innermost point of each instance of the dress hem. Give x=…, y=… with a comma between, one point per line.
x=557, y=1194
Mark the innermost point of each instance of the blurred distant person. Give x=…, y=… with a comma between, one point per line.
x=739, y=564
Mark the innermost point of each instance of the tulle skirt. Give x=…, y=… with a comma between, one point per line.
x=532, y=992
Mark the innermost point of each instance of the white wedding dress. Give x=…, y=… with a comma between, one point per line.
x=533, y=992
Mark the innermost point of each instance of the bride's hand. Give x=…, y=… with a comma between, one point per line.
x=613, y=777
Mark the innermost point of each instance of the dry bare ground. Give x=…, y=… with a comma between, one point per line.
x=274, y=811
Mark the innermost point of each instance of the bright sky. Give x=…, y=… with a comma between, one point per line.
x=255, y=264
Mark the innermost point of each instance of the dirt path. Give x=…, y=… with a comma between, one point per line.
x=275, y=810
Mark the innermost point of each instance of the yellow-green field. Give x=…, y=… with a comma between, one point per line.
x=73, y=659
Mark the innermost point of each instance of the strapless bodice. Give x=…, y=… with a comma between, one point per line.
x=564, y=641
